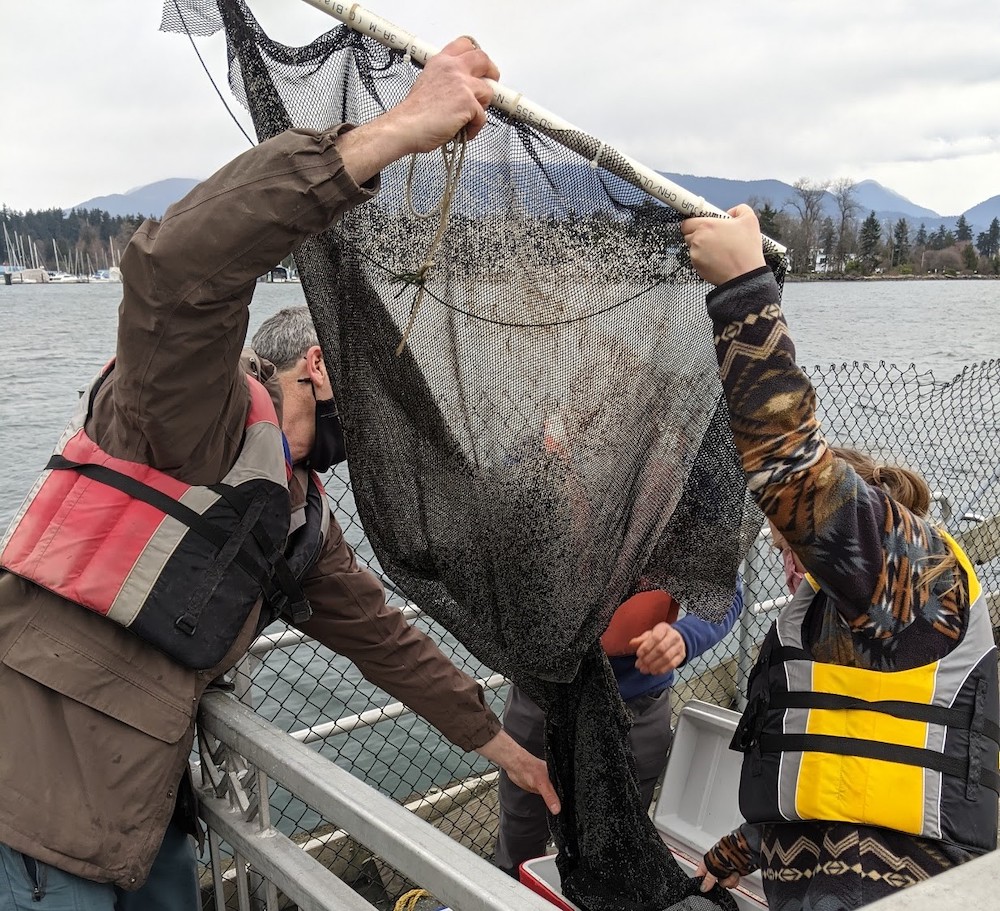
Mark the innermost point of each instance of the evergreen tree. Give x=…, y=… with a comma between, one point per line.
x=901, y=243
x=921, y=238
x=969, y=258
x=77, y=235
x=871, y=234
x=768, y=218
x=962, y=230
x=828, y=242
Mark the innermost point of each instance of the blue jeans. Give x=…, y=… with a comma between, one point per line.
x=29, y=885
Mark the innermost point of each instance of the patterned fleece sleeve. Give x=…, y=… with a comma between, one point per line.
x=738, y=852
x=863, y=548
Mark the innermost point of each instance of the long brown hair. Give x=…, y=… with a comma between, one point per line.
x=908, y=489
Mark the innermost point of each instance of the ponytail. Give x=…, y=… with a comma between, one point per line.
x=906, y=487
x=910, y=490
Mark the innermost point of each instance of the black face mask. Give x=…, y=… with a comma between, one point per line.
x=328, y=447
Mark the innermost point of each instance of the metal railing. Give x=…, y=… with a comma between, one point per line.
x=236, y=773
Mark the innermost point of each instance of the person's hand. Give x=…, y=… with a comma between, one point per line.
x=450, y=94
x=724, y=248
x=526, y=771
x=659, y=649
x=730, y=882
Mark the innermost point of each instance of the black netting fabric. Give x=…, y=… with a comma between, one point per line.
x=551, y=436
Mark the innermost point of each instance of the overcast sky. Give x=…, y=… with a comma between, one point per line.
x=96, y=100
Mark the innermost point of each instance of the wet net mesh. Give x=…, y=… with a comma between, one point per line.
x=543, y=435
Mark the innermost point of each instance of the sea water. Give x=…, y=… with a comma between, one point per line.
x=56, y=337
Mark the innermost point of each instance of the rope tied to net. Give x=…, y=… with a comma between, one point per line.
x=453, y=154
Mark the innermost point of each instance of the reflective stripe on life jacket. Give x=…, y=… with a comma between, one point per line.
x=912, y=750
x=180, y=565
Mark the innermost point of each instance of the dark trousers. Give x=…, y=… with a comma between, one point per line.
x=524, y=828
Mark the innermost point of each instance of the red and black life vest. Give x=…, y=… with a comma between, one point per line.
x=180, y=565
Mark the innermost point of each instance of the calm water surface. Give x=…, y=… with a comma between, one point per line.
x=936, y=325
x=57, y=336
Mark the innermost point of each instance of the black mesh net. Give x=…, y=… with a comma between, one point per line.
x=543, y=435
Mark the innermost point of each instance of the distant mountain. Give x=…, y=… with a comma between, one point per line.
x=984, y=213
x=151, y=200
x=724, y=193
x=870, y=195
x=873, y=197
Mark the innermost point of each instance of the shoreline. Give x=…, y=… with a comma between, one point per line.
x=821, y=277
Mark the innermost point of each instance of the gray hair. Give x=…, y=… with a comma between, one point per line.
x=283, y=338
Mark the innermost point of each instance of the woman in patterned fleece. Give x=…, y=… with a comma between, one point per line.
x=871, y=734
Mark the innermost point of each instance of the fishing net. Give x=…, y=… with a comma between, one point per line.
x=532, y=407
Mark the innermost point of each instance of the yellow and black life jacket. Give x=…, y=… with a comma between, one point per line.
x=911, y=750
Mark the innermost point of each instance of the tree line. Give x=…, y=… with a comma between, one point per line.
x=91, y=238
x=842, y=244
x=846, y=243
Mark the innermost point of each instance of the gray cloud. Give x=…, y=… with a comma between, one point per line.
x=905, y=93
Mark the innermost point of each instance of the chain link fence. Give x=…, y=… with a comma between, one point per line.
x=949, y=431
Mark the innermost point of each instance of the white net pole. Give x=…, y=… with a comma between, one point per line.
x=520, y=108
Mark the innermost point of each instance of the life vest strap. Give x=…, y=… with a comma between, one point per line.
x=210, y=581
x=261, y=573
x=954, y=766
x=286, y=598
x=908, y=711
x=782, y=653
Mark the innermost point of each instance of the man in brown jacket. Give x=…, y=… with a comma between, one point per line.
x=96, y=725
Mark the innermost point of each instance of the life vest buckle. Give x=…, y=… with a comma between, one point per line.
x=187, y=624
x=298, y=611
x=294, y=611
x=750, y=726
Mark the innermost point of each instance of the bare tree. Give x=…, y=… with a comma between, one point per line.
x=808, y=202
x=844, y=191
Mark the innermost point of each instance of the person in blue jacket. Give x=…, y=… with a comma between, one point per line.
x=646, y=641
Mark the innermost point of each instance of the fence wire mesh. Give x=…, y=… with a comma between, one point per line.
x=949, y=431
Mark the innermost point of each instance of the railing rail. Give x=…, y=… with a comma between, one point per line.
x=412, y=846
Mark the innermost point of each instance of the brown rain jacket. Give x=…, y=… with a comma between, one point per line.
x=95, y=726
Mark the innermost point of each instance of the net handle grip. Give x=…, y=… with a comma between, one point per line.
x=514, y=104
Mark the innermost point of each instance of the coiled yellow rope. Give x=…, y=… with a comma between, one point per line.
x=408, y=900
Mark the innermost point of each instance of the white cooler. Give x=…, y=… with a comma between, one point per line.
x=697, y=805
